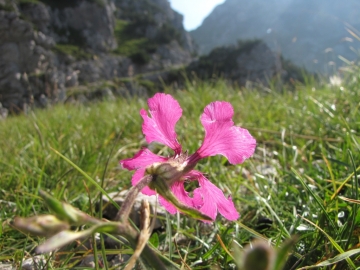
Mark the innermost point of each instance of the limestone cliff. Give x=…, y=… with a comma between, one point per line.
x=49, y=46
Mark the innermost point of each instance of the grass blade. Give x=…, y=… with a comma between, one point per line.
x=317, y=199
x=92, y=181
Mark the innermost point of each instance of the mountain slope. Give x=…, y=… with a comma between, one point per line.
x=309, y=33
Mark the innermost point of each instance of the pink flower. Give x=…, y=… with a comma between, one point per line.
x=221, y=137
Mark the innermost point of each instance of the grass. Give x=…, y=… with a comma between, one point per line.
x=73, y=50
x=307, y=157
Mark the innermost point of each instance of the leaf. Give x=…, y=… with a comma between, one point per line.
x=66, y=237
x=61, y=239
x=337, y=258
x=154, y=240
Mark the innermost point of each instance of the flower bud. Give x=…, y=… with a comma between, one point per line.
x=44, y=225
x=260, y=255
x=65, y=211
x=169, y=171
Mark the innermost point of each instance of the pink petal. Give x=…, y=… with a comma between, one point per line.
x=142, y=159
x=180, y=193
x=222, y=137
x=168, y=206
x=165, y=111
x=138, y=175
x=209, y=199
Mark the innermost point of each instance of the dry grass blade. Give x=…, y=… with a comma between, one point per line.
x=349, y=200
x=344, y=183
x=223, y=246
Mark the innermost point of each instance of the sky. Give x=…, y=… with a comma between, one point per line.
x=194, y=11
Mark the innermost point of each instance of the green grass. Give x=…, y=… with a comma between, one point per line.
x=309, y=137
x=73, y=50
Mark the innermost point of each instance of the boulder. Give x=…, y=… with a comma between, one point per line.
x=250, y=61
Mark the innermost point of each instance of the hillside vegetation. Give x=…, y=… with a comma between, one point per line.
x=307, y=155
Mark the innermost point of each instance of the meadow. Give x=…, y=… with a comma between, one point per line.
x=300, y=189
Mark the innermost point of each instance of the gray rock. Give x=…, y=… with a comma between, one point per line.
x=88, y=261
x=34, y=263
x=38, y=13
x=110, y=211
x=35, y=70
x=252, y=61
x=118, y=260
x=267, y=170
x=3, y=114
x=5, y=266
x=90, y=21
x=47, y=48
x=21, y=54
x=260, y=64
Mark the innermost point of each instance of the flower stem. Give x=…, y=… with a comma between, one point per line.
x=148, y=254
x=124, y=212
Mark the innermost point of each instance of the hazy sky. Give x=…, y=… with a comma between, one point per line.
x=194, y=11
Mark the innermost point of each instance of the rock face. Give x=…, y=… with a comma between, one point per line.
x=249, y=61
x=25, y=62
x=309, y=33
x=49, y=46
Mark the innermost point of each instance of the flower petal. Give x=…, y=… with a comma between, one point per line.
x=142, y=159
x=180, y=193
x=138, y=175
x=222, y=137
x=165, y=111
x=167, y=205
x=209, y=199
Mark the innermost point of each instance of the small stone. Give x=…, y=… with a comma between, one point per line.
x=3, y=112
x=34, y=263
x=267, y=170
x=88, y=261
x=119, y=260
x=5, y=266
x=110, y=211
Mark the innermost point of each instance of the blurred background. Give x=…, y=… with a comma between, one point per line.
x=312, y=34
x=74, y=51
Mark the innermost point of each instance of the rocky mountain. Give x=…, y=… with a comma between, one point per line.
x=79, y=50
x=309, y=33
x=49, y=47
